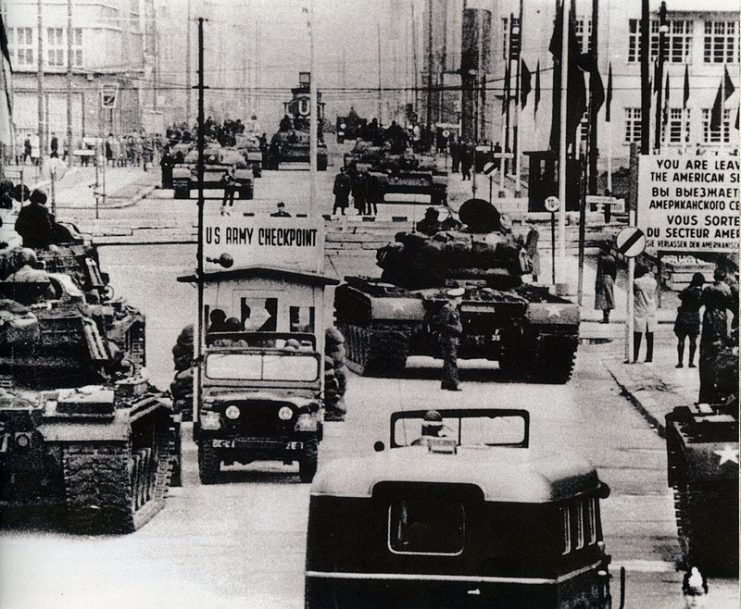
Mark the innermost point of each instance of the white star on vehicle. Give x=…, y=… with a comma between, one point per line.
x=553, y=311
x=397, y=306
x=727, y=454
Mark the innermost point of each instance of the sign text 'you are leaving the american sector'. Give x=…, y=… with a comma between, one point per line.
x=689, y=203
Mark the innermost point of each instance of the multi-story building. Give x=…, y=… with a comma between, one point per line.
x=702, y=39
x=109, y=79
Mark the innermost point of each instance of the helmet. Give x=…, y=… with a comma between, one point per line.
x=432, y=423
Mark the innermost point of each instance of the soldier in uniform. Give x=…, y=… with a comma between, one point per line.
x=717, y=299
x=430, y=225
x=449, y=325
x=34, y=223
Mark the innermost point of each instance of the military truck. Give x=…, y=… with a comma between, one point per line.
x=81, y=430
x=401, y=173
x=702, y=459
x=217, y=162
x=260, y=375
x=292, y=146
x=530, y=331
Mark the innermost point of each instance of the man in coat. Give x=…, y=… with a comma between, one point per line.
x=341, y=191
x=34, y=224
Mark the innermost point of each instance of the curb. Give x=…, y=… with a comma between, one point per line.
x=637, y=394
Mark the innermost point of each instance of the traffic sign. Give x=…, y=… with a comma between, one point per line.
x=446, y=133
x=489, y=168
x=552, y=204
x=631, y=242
x=108, y=95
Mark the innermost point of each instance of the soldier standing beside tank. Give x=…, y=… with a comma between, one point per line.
x=451, y=330
x=360, y=191
x=716, y=298
x=341, y=191
x=430, y=225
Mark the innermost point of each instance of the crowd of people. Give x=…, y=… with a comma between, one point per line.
x=365, y=189
x=225, y=133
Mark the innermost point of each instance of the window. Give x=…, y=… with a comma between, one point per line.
x=679, y=125
x=23, y=46
x=566, y=518
x=678, y=40
x=713, y=136
x=77, y=47
x=426, y=527
x=721, y=42
x=632, y=125
x=55, y=47
x=505, y=37
x=583, y=29
x=579, y=520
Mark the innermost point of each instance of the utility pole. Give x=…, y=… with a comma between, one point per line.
x=443, y=64
x=70, y=33
x=415, y=71
x=156, y=62
x=660, y=76
x=429, y=64
x=516, y=131
x=188, y=85
x=314, y=117
x=380, y=86
x=593, y=149
x=40, y=87
x=645, y=79
x=562, y=135
x=198, y=334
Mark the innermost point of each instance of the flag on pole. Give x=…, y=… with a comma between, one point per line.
x=6, y=107
x=505, y=96
x=537, y=87
x=525, y=84
x=725, y=90
x=686, y=97
x=608, y=100
x=656, y=83
x=665, y=110
x=577, y=93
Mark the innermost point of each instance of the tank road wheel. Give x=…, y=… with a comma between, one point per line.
x=308, y=461
x=209, y=464
x=176, y=459
x=110, y=488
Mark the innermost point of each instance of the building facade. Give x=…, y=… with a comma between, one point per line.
x=108, y=80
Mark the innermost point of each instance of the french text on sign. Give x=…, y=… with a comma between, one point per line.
x=631, y=242
x=689, y=204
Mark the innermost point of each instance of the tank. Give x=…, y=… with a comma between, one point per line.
x=248, y=144
x=217, y=161
x=702, y=460
x=82, y=433
x=292, y=146
x=399, y=171
x=530, y=332
x=349, y=127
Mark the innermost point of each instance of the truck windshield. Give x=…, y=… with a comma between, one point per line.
x=262, y=366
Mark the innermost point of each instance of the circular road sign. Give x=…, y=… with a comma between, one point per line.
x=489, y=168
x=631, y=242
x=552, y=204
x=446, y=133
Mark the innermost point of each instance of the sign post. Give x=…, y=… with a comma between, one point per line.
x=488, y=171
x=552, y=204
x=630, y=242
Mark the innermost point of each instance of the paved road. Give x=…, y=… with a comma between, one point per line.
x=241, y=543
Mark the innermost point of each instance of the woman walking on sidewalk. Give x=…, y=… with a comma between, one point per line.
x=687, y=324
x=604, y=284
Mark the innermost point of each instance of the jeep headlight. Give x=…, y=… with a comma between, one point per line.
x=285, y=413
x=232, y=412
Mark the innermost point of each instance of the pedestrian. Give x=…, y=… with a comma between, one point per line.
x=280, y=212
x=604, y=284
x=27, y=150
x=230, y=189
x=466, y=160
x=167, y=162
x=375, y=194
x=54, y=146
x=687, y=324
x=360, y=191
x=717, y=299
x=497, y=157
x=109, y=158
x=450, y=329
x=454, y=153
x=531, y=247
x=341, y=190
x=34, y=223
x=644, y=311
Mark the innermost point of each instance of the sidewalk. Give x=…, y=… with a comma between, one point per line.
x=657, y=388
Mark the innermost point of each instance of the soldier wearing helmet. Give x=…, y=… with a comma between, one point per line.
x=451, y=330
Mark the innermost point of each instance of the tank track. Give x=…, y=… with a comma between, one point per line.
x=549, y=359
x=111, y=488
x=705, y=523
x=380, y=350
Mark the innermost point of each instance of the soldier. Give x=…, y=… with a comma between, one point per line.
x=34, y=223
x=341, y=191
x=717, y=299
x=449, y=325
x=431, y=223
x=230, y=188
x=281, y=211
x=167, y=162
x=360, y=191
x=466, y=153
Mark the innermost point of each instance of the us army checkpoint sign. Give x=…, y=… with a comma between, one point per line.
x=689, y=203
x=239, y=241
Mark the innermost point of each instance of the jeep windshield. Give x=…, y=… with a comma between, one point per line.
x=263, y=366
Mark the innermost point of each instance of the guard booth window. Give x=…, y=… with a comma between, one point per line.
x=426, y=527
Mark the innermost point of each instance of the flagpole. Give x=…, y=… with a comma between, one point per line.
x=518, y=89
x=722, y=108
x=562, y=134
